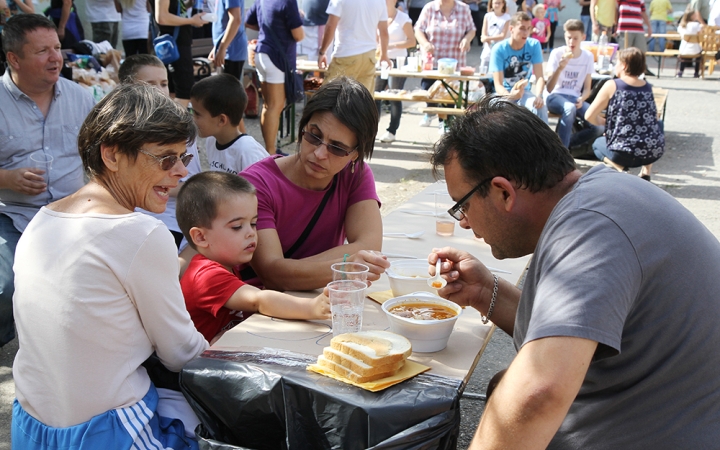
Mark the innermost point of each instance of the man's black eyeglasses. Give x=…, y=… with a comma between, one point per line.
x=332, y=148
x=458, y=210
x=169, y=161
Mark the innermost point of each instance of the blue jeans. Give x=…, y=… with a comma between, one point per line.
x=9, y=236
x=395, y=107
x=658, y=27
x=587, y=23
x=564, y=105
x=527, y=101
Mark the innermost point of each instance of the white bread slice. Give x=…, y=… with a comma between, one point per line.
x=357, y=365
x=349, y=374
x=374, y=348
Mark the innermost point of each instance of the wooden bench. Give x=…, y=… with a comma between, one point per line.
x=660, y=95
x=202, y=67
x=443, y=112
x=410, y=98
x=660, y=56
x=201, y=47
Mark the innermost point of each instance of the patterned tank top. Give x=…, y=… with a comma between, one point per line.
x=632, y=126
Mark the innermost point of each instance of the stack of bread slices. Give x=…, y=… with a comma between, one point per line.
x=366, y=356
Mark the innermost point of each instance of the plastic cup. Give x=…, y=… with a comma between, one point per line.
x=347, y=299
x=350, y=271
x=444, y=223
x=385, y=70
x=400, y=60
x=43, y=161
x=412, y=63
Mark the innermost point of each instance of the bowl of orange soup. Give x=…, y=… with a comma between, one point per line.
x=424, y=318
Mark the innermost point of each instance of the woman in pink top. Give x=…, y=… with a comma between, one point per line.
x=337, y=132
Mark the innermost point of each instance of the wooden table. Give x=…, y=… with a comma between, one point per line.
x=469, y=337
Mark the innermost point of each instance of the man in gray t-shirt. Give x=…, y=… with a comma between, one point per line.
x=617, y=324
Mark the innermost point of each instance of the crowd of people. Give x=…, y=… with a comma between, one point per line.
x=101, y=293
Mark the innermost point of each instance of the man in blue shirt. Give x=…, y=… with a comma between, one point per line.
x=41, y=114
x=512, y=63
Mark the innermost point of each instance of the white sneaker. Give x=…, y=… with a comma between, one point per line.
x=387, y=137
x=426, y=120
x=441, y=128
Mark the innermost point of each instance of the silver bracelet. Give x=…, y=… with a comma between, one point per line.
x=485, y=319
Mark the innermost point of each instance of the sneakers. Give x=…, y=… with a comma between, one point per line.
x=426, y=120
x=280, y=152
x=387, y=137
x=441, y=128
x=678, y=75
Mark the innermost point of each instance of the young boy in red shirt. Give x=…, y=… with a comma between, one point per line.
x=217, y=212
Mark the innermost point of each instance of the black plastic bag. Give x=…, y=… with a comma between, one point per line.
x=268, y=400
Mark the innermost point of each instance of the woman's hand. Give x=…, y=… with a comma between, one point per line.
x=376, y=261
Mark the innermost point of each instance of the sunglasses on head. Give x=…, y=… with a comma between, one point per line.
x=168, y=162
x=332, y=148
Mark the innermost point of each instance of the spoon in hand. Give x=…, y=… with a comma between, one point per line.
x=437, y=282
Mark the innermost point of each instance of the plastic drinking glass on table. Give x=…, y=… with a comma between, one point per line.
x=444, y=224
x=350, y=271
x=400, y=60
x=347, y=299
x=43, y=161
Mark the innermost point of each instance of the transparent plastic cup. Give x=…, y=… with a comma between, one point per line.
x=347, y=299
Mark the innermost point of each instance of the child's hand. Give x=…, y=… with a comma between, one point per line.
x=321, y=306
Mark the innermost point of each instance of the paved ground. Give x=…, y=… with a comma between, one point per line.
x=690, y=171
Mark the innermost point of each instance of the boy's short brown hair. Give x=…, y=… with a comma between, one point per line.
x=200, y=196
x=574, y=25
x=221, y=94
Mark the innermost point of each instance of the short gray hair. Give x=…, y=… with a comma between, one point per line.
x=129, y=117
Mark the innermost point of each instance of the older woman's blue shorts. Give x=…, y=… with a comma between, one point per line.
x=137, y=426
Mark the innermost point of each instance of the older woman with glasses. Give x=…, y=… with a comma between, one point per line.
x=97, y=290
x=310, y=203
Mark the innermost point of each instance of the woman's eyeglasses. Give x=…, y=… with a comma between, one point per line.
x=332, y=148
x=169, y=161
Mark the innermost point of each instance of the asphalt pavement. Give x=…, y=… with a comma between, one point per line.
x=689, y=171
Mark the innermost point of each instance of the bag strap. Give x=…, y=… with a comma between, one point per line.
x=153, y=23
x=249, y=273
x=313, y=221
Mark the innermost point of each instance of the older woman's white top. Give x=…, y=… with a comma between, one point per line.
x=95, y=295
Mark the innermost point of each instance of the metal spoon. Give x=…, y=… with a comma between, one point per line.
x=437, y=282
x=407, y=235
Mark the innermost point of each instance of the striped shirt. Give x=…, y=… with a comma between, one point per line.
x=630, y=16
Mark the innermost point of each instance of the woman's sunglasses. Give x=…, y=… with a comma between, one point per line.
x=168, y=162
x=332, y=148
